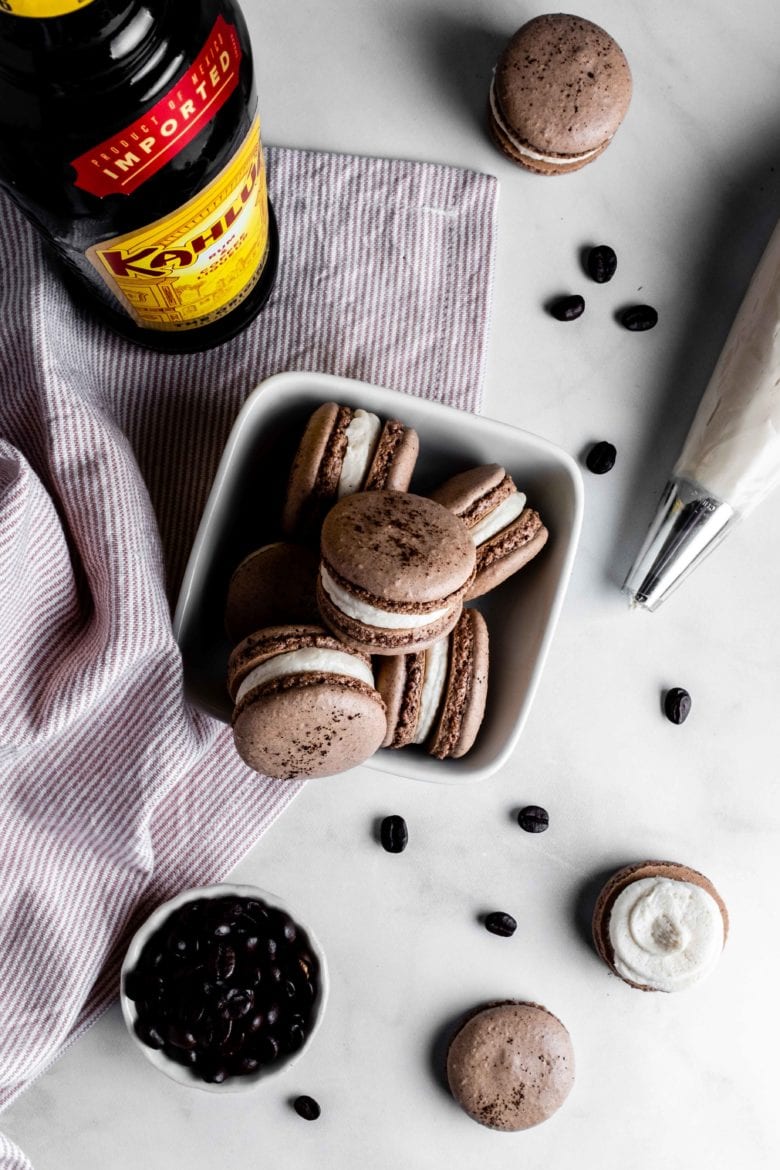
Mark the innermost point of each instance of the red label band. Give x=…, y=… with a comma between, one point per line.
x=127, y=159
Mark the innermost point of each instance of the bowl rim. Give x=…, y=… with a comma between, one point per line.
x=179, y=1072
x=319, y=387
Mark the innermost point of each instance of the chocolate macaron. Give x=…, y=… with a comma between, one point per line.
x=343, y=451
x=660, y=925
x=304, y=703
x=275, y=585
x=436, y=697
x=511, y=1065
x=506, y=532
x=560, y=91
x=394, y=569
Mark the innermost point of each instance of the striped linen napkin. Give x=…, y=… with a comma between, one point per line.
x=114, y=793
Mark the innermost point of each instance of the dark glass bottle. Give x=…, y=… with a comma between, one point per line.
x=129, y=137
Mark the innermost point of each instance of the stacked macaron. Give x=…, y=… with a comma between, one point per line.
x=369, y=570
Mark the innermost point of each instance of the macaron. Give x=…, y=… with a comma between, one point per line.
x=511, y=1065
x=660, y=925
x=506, y=532
x=343, y=451
x=394, y=569
x=274, y=585
x=436, y=697
x=304, y=703
x=560, y=91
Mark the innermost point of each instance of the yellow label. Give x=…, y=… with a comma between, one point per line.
x=198, y=263
x=42, y=8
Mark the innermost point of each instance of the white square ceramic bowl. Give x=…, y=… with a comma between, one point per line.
x=243, y=510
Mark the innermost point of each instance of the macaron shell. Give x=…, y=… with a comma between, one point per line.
x=301, y=506
x=305, y=726
x=461, y=492
x=378, y=640
x=559, y=166
x=399, y=680
x=623, y=878
x=563, y=85
x=465, y=694
x=273, y=585
x=394, y=459
x=511, y=1066
x=395, y=547
x=507, y=552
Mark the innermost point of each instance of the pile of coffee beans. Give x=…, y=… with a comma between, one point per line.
x=225, y=986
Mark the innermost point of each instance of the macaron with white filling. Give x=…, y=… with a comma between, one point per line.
x=507, y=533
x=343, y=451
x=660, y=925
x=394, y=569
x=435, y=698
x=305, y=704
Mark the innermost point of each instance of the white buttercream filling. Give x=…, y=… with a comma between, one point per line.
x=437, y=659
x=507, y=511
x=525, y=151
x=665, y=934
x=370, y=615
x=362, y=437
x=307, y=660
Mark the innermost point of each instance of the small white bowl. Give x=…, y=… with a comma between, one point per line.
x=179, y=1072
x=244, y=509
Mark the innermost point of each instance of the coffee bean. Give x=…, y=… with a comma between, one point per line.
x=533, y=819
x=601, y=458
x=307, y=1108
x=601, y=263
x=568, y=308
x=148, y=1034
x=394, y=834
x=677, y=705
x=500, y=923
x=637, y=318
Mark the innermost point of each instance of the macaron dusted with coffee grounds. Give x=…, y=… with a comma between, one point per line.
x=560, y=91
x=660, y=925
x=394, y=569
x=343, y=451
x=436, y=697
x=511, y=1065
x=304, y=703
x=506, y=532
x=274, y=585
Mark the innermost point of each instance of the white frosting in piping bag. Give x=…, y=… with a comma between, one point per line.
x=371, y=615
x=733, y=446
x=362, y=437
x=665, y=934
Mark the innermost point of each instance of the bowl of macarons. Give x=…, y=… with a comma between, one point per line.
x=375, y=580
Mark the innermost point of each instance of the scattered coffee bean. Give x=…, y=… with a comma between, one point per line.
x=601, y=263
x=568, y=308
x=677, y=705
x=601, y=458
x=500, y=923
x=637, y=318
x=307, y=1108
x=394, y=834
x=533, y=819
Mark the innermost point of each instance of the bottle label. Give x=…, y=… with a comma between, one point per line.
x=42, y=8
x=197, y=264
x=120, y=164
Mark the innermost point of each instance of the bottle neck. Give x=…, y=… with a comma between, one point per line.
x=94, y=38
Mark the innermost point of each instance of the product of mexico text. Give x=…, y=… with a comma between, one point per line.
x=130, y=138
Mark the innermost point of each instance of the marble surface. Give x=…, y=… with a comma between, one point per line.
x=687, y=195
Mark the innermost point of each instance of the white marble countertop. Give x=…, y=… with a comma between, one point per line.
x=687, y=195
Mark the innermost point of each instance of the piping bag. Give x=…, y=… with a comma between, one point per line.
x=730, y=460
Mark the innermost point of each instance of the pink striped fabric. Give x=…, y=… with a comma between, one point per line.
x=114, y=792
